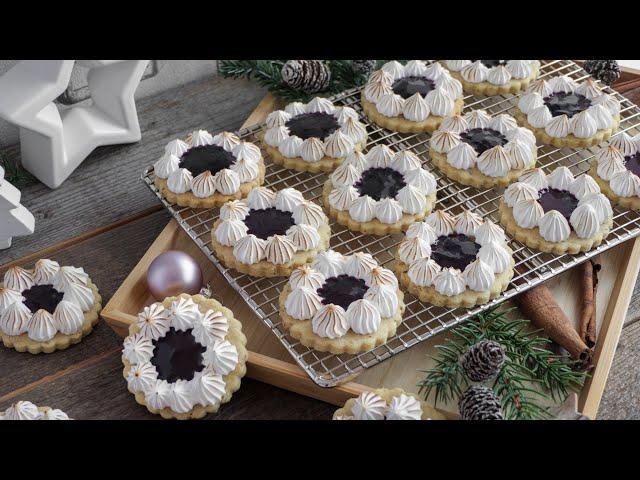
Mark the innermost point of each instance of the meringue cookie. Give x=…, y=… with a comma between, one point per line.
x=385, y=298
x=279, y=249
x=359, y=264
x=330, y=321
x=287, y=199
x=261, y=198
x=309, y=213
x=554, y=227
x=183, y=313
x=479, y=276
x=305, y=276
x=180, y=181
x=222, y=356
x=388, y=211
x=363, y=317
x=330, y=263
x=369, y=406
x=423, y=271
x=412, y=249
x=363, y=209
x=304, y=237
x=44, y=271
x=449, y=282
x=527, y=213
x=404, y=407
x=584, y=221
x=228, y=232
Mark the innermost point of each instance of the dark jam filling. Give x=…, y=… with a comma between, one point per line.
x=380, y=183
x=43, y=297
x=208, y=157
x=568, y=104
x=265, y=222
x=560, y=200
x=456, y=250
x=482, y=139
x=632, y=163
x=177, y=356
x=492, y=63
x=408, y=86
x=342, y=290
x=317, y=124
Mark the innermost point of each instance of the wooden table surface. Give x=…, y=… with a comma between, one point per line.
x=103, y=218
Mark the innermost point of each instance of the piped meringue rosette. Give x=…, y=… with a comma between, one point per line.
x=616, y=168
x=342, y=303
x=48, y=308
x=387, y=404
x=184, y=356
x=208, y=170
x=269, y=234
x=493, y=77
x=24, y=410
x=454, y=261
x=564, y=113
x=313, y=137
x=411, y=98
x=381, y=192
x=481, y=150
x=556, y=213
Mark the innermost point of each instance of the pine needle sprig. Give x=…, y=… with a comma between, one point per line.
x=267, y=73
x=15, y=174
x=531, y=373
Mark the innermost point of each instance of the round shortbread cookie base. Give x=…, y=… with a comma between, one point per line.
x=474, y=177
x=469, y=298
x=531, y=236
x=325, y=164
x=632, y=203
x=232, y=380
x=22, y=343
x=428, y=412
x=375, y=226
x=401, y=124
x=265, y=268
x=570, y=141
x=351, y=342
x=515, y=85
x=188, y=199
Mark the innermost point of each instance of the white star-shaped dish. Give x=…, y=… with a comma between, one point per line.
x=54, y=142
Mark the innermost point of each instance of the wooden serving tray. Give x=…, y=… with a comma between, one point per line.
x=269, y=361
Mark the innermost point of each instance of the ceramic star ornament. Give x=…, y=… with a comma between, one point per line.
x=54, y=142
x=15, y=219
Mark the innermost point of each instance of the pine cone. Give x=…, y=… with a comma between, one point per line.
x=483, y=360
x=607, y=71
x=308, y=76
x=363, y=67
x=479, y=403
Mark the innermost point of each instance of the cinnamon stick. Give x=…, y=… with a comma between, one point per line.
x=588, y=318
x=588, y=305
x=539, y=306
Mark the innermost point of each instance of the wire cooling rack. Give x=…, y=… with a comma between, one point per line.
x=421, y=321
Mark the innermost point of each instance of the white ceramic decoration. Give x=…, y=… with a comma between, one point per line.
x=55, y=142
x=15, y=219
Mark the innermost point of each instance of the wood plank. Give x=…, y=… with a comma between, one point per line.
x=99, y=392
x=108, y=259
x=609, y=332
x=622, y=392
x=106, y=188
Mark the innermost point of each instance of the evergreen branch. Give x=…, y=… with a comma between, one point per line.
x=267, y=73
x=15, y=174
x=529, y=364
